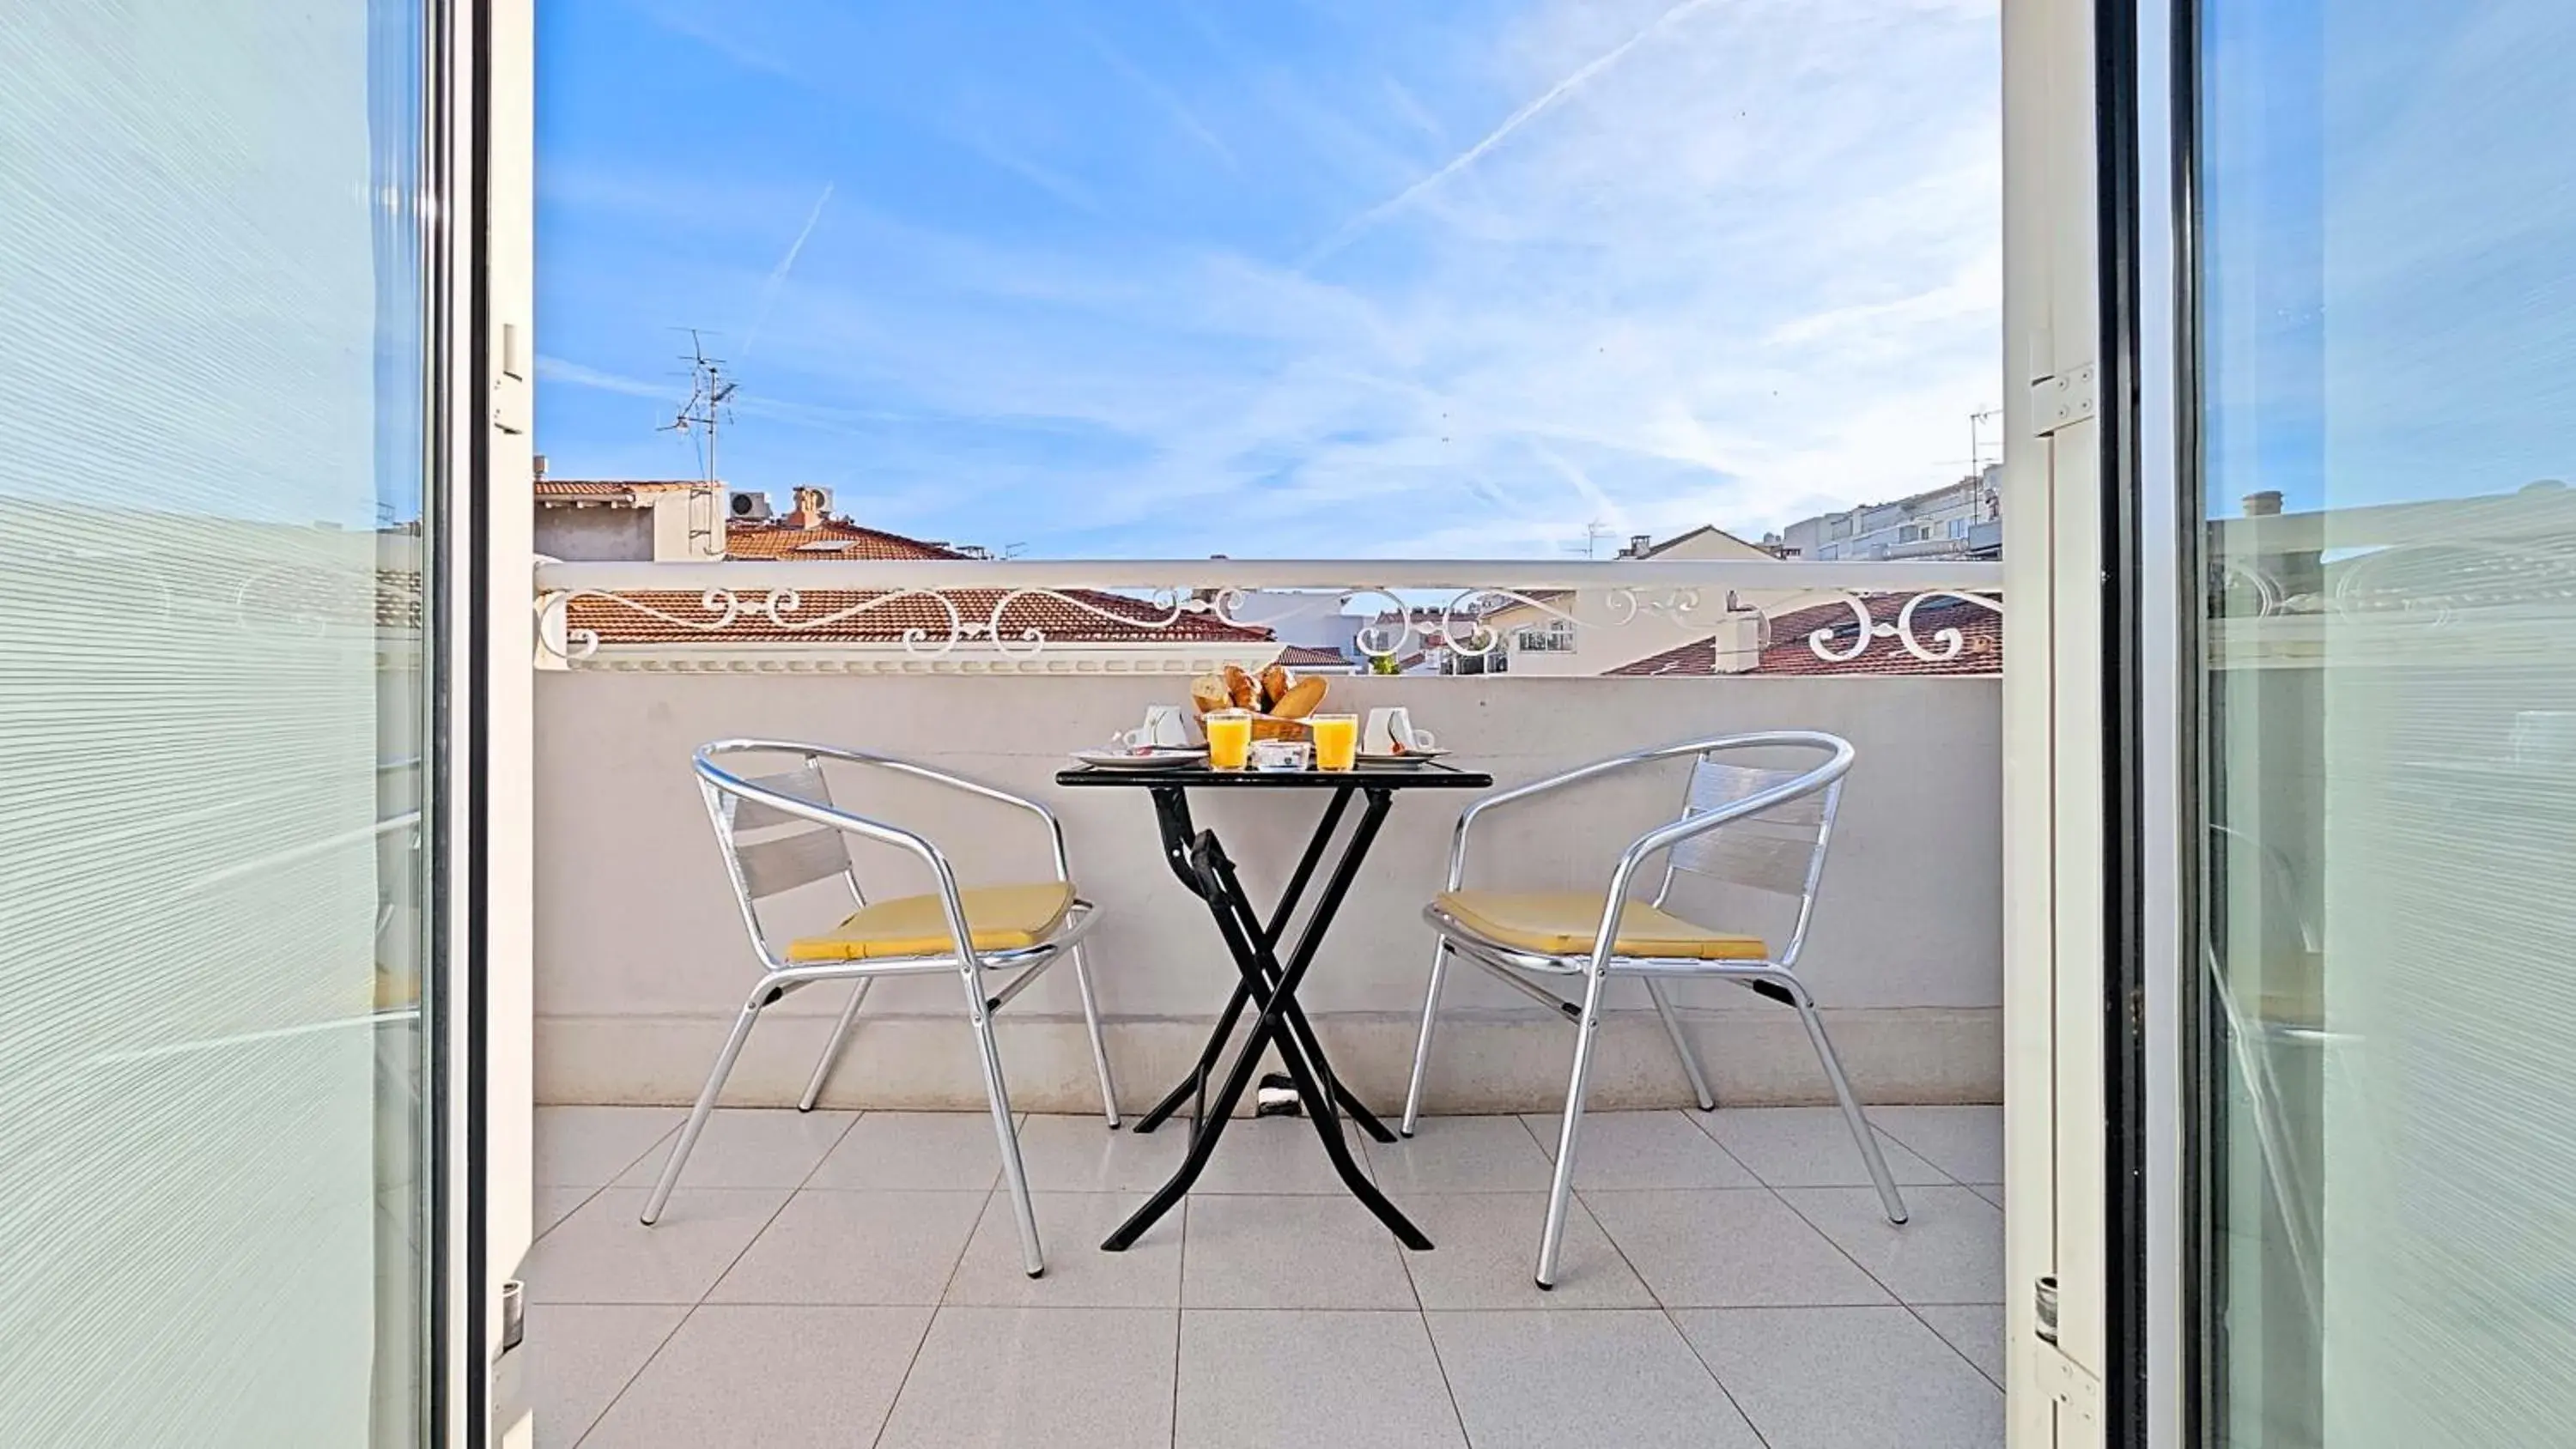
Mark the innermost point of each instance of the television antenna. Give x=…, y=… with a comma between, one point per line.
x=1976, y=430
x=1593, y=533
x=710, y=404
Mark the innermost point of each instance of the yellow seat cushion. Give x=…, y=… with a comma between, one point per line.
x=1562, y=923
x=998, y=918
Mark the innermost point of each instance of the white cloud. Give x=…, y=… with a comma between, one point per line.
x=1745, y=268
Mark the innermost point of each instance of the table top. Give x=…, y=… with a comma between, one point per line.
x=1195, y=774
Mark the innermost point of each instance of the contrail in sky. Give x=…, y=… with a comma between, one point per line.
x=778, y=274
x=1469, y=157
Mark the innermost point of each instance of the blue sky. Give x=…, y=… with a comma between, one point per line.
x=1324, y=278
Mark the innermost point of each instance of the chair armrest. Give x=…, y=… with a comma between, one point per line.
x=896, y=765
x=1576, y=776
x=943, y=875
x=1664, y=837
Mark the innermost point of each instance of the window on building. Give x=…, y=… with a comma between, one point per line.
x=1553, y=637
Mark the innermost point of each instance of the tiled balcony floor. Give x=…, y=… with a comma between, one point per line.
x=853, y=1279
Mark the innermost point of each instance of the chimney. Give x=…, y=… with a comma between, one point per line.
x=2264, y=504
x=810, y=506
x=1741, y=633
x=1640, y=545
x=539, y=463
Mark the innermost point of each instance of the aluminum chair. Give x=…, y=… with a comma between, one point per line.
x=781, y=831
x=1756, y=827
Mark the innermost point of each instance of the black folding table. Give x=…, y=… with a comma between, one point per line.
x=1268, y=981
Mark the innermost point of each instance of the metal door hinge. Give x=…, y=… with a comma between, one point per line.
x=514, y=1314
x=2066, y=1382
x=2064, y=399
x=2062, y=1378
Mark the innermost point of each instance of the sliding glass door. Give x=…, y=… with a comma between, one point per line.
x=221, y=545
x=2385, y=943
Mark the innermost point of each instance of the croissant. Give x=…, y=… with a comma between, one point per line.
x=1242, y=689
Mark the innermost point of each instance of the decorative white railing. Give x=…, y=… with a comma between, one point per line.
x=930, y=610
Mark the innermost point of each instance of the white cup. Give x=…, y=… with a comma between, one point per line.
x=1388, y=728
x=1165, y=727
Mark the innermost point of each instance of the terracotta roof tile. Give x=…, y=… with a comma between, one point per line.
x=835, y=538
x=549, y=490
x=1084, y=616
x=1980, y=629
x=1307, y=656
x=1695, y=659
x=1118, y=620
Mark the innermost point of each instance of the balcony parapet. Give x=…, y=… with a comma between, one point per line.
x=974, y=615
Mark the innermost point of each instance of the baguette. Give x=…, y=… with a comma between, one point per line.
x=1208, y=694
x=1301, y=698
x=1275, y=685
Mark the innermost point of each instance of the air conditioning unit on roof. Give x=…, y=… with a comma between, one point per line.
x=745, y=506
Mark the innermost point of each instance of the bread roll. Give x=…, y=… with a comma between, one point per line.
x=1301, y=698
x=1242, y=689
x=1275, y=685
x=1208, y=694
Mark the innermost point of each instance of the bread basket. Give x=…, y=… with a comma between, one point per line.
x=1239, y=689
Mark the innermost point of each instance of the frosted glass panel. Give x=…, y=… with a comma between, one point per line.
x=212, y=875
x=2389, y=335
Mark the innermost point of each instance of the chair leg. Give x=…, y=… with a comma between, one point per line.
x=1681, y=1046
x=832, y=1048
x=1561, y=1190
x=1099, y=1046
x=999, y=1094
x=698, y=1114
x=1422, y=1043
x=1852, y=1115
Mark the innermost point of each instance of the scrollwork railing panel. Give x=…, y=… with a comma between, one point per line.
x=1003, y=611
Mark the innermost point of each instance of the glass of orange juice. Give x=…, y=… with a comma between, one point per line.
x=1337, y=740
x=1229, y=737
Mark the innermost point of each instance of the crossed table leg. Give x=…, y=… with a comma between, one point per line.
x=1271, y=986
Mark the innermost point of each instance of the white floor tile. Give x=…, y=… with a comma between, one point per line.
x=748, y=1147
x=1728, y=1249
x=1349, y=1380
x=1485, y=1255
x=1081, y=1154
x=1054, y=1378
x=908, y=1150
x=1290, y=1251
x=1071, y=1226
x=1628, y=1151
x=1273, y=1155
x=1965, y=1142
x=1807, y=1147
x=1847, y=1378
x=590, y=1146
x=1950, y=1249
x=1531, y=1380
x=551, y=1205
x=777, y=1377
x=1461, y=1154
x=601, y=1254
x=855, y=1248
x=581, y=1355
x=1974, y=1329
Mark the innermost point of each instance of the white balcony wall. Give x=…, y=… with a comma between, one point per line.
x=641, y=960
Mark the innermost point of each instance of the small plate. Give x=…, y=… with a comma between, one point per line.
x=1408, y=758
x=1158, y=759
